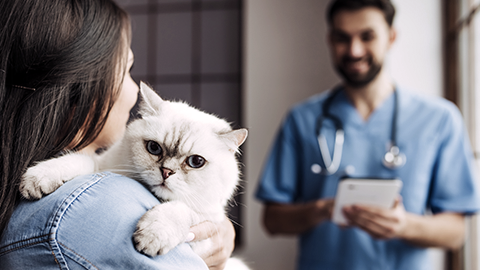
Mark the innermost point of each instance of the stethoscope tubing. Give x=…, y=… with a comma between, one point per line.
x=393, y=158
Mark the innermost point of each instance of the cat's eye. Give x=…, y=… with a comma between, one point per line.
x=195, y=161
x=154, y=148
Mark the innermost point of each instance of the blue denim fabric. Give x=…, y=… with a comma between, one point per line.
x=87, y=223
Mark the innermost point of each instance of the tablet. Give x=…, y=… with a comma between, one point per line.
x=375, y=192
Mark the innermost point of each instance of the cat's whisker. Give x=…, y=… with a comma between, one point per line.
x=236, y=223
x=232, y=203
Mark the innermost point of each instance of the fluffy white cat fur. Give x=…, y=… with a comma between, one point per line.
x=184, y=156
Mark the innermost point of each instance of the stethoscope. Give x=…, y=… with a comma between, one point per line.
x=393, y=158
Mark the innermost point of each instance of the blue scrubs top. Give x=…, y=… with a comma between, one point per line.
x=438, y=175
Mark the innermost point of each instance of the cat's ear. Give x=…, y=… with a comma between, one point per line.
x=235, y=138
x=150, y=104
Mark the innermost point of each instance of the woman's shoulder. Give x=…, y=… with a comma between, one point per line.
x=88, y=221
x=95, y=193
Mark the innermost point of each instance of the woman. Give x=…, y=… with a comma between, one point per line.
x=65, y=85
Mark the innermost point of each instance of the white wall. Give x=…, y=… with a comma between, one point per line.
x=286, y=60
x=416, y=60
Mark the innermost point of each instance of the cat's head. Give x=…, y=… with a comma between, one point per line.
x=182, y=153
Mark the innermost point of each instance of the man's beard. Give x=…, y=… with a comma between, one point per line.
x=358, y=80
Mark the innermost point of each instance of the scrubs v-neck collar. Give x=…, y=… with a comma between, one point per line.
x=349, y=115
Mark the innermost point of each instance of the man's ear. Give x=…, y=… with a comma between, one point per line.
x=392, y=36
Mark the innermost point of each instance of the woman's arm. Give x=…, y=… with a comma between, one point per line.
x=87, y=223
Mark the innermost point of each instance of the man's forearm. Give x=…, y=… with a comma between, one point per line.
x=445, y=230
x=295, y=218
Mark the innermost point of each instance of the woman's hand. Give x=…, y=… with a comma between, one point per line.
x=223, y=238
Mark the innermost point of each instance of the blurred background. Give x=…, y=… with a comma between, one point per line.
x=249, y=61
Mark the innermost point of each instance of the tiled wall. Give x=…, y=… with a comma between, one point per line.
x=191, y=50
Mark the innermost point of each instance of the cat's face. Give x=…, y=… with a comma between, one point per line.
x=184, y=154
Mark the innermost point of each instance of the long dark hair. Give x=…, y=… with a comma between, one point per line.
x=59, y=76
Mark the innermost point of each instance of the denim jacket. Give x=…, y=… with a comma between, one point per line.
x=87, y=223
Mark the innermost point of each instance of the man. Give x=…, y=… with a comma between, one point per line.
x=438, y=174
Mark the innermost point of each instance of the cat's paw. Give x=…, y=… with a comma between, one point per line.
x=153, y=243
x=37, y=182
x=47, y=176
x=156, y=237
x=159, y=232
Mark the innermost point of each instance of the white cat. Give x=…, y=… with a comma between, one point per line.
x=184, y=156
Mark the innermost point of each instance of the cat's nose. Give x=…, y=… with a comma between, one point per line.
x=166, y=172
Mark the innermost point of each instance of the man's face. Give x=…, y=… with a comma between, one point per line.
x=359, y=41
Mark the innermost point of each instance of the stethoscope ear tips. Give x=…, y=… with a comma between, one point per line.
x=349, y=170
x=316, y=169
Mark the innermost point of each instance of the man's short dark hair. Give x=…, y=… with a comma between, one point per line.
x=352, y=5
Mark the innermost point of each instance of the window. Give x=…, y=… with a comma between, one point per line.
x=463, y=88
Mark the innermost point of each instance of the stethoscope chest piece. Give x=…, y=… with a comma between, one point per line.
x=394, y=159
